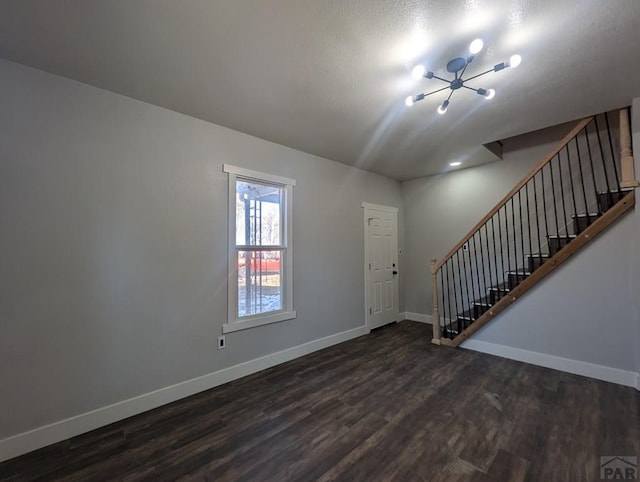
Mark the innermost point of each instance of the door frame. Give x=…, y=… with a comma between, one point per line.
x=367, y=207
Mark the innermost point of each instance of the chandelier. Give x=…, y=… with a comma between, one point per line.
x=458, y=67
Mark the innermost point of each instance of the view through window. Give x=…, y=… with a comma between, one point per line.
x=259, y=247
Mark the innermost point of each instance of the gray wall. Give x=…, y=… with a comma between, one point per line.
x=440, y=210
x=113, y=245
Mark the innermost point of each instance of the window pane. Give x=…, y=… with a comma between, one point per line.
x=259, y=282
x=258, y=208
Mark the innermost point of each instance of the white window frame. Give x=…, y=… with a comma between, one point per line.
x=234, y=323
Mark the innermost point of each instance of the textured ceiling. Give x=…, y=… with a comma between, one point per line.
x=330, y=77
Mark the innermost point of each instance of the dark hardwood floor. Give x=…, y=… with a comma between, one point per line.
x=388, y=406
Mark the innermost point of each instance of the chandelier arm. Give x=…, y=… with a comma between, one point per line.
x=465, y=66
x=470, y=88
x=479, y=75
x=443, y=80
x=448, y=98
x=439, y=90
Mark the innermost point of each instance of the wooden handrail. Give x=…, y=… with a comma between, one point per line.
x=579, y=126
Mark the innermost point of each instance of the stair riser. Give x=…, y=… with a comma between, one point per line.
x=496, y=296
x=456, y=327
x=475, y=312
x=451, y=334
x=515, y=279
x=606, y=200
x=556, y=244
x=480, y=310
x=534, y=263
x=582, y=223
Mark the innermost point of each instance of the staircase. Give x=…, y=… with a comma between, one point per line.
x=576, y=192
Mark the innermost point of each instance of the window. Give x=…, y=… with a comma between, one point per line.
x=260, y=249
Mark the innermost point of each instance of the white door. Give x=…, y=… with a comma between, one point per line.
x=381, y=265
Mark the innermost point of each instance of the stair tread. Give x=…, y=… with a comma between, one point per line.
x=585, y=215
x=484, y=301
x=536, y=255
x=452, y=332
x=501, y=287
x=615, y=191
x=562, y=236
x=519, y=271
x=467, y=315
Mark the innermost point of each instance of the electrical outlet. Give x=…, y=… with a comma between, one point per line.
x=222, y=342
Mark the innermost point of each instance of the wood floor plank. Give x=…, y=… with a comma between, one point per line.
x=505, y=467
x=387, y=406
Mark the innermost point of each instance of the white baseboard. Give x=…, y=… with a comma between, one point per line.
x=422, y=318
x=79, y=424
x=599, y=372
x=417, y=317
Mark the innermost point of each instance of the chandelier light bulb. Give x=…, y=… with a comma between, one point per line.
x=476, y=46
x=418, y=71
x=443, y=108
x=514, y=61
x=408, y=101
x=490, y=94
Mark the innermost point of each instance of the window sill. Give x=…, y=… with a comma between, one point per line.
x=254, y=322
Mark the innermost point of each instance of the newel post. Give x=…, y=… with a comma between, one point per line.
x=435, y=323
x=626, y=153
